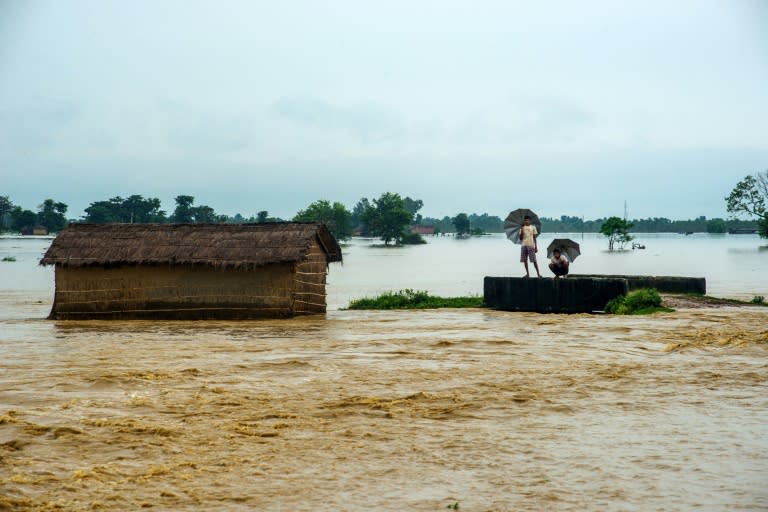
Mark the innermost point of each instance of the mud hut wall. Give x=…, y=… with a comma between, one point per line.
x=94, y=291
x=309, y=282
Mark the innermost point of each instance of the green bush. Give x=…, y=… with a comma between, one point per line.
x=9, y=258
x=414, y=299
x=758, y=299
x=412, y=239
x=638, y=302
x=641, y=299
x=616, y=306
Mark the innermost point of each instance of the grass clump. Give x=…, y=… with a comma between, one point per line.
x=639, y=302
x=9, y=258
x=757, y=300
x=414, y=299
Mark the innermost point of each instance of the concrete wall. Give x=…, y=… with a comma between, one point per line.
x=173, y=293
x=546, y=295
x=663, y=284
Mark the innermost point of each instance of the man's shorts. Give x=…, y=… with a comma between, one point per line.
x=529, y=251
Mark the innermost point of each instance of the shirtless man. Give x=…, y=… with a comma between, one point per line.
x=528, y=236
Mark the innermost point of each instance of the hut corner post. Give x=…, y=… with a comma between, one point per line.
x=309, y=296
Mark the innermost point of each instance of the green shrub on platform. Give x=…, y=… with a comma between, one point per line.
x=638, y=302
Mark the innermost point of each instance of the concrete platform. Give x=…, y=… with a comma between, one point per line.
x=662, y=284
x=548, y=295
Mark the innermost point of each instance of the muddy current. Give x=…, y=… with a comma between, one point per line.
x=414, y=410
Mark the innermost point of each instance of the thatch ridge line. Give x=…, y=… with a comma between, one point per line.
x=216, y=245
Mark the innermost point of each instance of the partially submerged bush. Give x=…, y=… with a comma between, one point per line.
x=638, y=302
x=412, y=239
x=414, y=299
x=9, y=258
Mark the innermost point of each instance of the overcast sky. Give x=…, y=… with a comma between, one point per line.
x=476, y=106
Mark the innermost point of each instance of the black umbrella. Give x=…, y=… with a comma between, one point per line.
x=514, y=221
x=568, y=248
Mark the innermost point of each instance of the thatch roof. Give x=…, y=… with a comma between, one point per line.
x=240, y=246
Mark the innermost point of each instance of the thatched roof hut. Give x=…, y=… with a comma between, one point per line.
x=190, y=271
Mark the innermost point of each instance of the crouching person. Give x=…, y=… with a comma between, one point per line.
x=559, y=264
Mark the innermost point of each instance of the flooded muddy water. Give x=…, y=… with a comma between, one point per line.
x=388, y=410
x=403, y=410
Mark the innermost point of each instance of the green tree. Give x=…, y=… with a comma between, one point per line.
x=413, y=206
x=22, y=219
x=461, y=223
x=142, y=211
x=357, y=216
x=204, y=213
x=262, y=216
x=51, y=215
x=486, y=223
x=617, y=231
x=134, y=209
x=187, y=213
x=335, y=216
x=104, y=212
x=387, y=217
x=749, y=197
x=183, y=214
x=716, y=226
x=6, y=207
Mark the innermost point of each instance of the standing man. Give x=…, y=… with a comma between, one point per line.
x=528, y=236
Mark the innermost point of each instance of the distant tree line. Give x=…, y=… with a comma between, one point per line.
x=50, y=215
x=478, y=223
x=391, y=217
x=568, y=224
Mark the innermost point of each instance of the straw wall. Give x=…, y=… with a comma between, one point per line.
x=178, y=292
x=309, y=282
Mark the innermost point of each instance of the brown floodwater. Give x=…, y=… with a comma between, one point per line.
x=406, y=410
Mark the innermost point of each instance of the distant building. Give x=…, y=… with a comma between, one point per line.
x=191, y=271
x=423, y=230
x=34, y=230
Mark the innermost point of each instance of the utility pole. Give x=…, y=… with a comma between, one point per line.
x=625, y=210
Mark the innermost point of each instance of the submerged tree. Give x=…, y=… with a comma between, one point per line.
x=387, y=218
x=749, y=197
x=335, y=216
x=461, y=223
x=358, y=211
x=617, y=231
